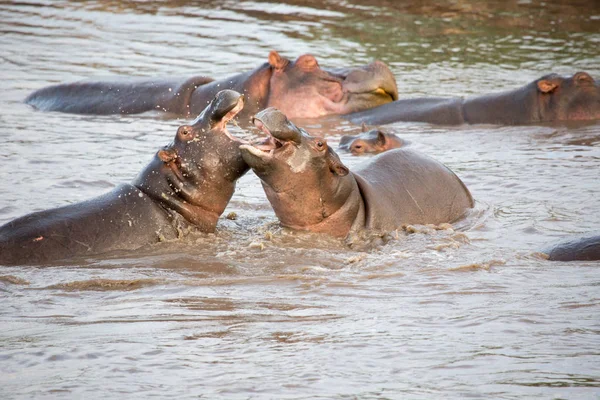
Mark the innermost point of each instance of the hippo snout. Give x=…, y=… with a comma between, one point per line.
x=385, y=78
x=375, y=78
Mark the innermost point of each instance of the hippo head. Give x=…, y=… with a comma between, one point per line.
x=301, y=89
x=195, y=175
x=575, y=98
x=304, y=180
x=370, y=141
x=206, y=145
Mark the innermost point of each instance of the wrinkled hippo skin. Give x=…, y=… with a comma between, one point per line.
x=310, y=189
x=548, y=99
x=372, y=141
x=581, y=248
x=186, y=186
x=301, y=88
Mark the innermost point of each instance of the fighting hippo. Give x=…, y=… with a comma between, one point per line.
x=580, y=248
x=186, y=186
x=550, y=98
x=300, y=88
x=310, y=189
x=370, y=141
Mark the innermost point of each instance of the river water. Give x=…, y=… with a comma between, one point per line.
x=259, y=312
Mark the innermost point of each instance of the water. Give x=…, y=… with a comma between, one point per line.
x=256, y=311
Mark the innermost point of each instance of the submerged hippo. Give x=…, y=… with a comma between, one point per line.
x=300, y=88
x=370, y=141
x=550, y=98
x=581, y=248
x=310, y=189
x=187, y=185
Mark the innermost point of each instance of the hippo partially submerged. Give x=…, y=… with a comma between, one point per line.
x=310, y=189
x=579, y=248
x=300, y=88
x=186, y=186
x=550, y=98
x=370, y=142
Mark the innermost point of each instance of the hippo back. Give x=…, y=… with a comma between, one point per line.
x=405, y=187
x=579, y=248
x=122, y=219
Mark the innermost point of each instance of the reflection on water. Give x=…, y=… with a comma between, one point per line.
x=259, y=311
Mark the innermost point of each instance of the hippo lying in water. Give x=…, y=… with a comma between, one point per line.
x=187, y=185
x=300, y=88
x=550, y=98
x=310, y=189
x=370, y=142
x=581, y=248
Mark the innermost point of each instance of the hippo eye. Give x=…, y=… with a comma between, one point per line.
x=320, y=144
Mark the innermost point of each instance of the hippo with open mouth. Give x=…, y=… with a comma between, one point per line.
x=299, y=88
x=186, y=186
x=310, y=189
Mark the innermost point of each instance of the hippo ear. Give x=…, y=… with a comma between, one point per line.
x=167, y=155
x=546, y=85
x=380, y=138
x=335, y=164
x=276, y=61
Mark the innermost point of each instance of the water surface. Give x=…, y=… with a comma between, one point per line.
x=256, y=311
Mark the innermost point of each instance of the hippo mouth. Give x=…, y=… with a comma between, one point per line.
x=382, y=92
x=263, y=149
x=270, y=143
x=229, y=116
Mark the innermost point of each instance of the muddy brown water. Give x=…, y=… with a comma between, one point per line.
x=258, y=312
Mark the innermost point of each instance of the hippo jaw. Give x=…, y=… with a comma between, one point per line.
x=301, y=89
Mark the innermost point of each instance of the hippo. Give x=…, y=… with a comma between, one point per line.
x=370, y=141
x=185, y=187
x=580, y=248
x=548, y=99
x=300, y=88
x=311, y=189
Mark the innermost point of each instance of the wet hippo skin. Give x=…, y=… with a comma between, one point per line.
x=310, y=189
x=301, y=88
x=581, y=248
x=187, y=185
x=550, y=98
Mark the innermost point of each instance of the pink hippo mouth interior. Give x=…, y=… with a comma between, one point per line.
x=270, y=143
x=222, y=125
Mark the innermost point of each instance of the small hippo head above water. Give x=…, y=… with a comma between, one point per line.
x=301, y=89
x=574, y=98
x=196, y=174
x=373, y=141
x=290, y=159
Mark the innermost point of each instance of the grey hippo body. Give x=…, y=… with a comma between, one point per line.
x=548, y=99
x=301, y=87
x=578, y=248
x=187, y=185
x=310, y=189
